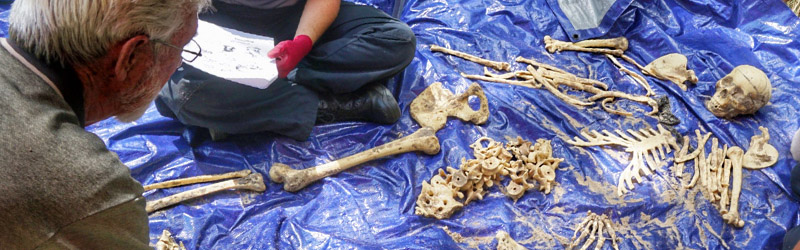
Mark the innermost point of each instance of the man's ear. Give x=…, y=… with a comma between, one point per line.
x=127, y=56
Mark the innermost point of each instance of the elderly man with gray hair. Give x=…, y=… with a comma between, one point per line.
x=67, y=64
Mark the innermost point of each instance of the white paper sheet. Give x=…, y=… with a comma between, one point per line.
x=235, y=55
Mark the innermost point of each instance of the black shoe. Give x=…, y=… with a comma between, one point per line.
x=372, y=103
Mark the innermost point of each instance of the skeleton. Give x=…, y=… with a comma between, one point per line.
x=722, y=169
x=671, y=67
x=745, y=90
x=254, y=182
x=594, y=226
x=443, y=196
x=505, y=242
x=551, y=77
x=645, y=145
x=423, y=140
x=553, y=46
x=166, y=242
x=493, y=64
x=538, y=75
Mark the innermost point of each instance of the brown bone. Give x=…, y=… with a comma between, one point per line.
x=253, y=182
x=423, y=140
x=432, y=107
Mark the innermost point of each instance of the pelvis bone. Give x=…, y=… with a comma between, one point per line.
x=432, y=107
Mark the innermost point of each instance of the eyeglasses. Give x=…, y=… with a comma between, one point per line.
x=188, y=55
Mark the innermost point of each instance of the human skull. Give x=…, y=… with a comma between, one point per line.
x=745, y=90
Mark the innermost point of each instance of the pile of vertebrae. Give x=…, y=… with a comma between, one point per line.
x=529, y=166
x=714, y=172
x=596, y=227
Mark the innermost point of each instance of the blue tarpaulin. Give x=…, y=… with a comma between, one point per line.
x=372, y=206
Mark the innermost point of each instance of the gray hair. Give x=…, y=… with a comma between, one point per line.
x=79, y=31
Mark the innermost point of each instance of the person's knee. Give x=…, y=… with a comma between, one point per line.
x=398, y=40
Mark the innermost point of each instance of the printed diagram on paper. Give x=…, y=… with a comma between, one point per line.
x=234, y=55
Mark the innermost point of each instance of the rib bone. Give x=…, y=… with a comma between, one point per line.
x=423, y=140
x=253, y=182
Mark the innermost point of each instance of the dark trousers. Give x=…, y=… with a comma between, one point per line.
x=363, y=45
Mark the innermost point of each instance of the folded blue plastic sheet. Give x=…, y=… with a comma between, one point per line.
x=372, y=206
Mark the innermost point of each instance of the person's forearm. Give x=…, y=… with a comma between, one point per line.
x=317, y=17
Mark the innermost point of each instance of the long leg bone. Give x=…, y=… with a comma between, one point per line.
x=493, y=64
x=553, y=45
x=197, y=179
x=735, y=154
x=423, y=140
x=253, y=182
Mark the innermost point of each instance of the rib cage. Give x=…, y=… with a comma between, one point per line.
x=647, y=147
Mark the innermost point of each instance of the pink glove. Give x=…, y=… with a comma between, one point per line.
x=288, y=53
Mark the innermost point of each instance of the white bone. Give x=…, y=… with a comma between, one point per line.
x=197, y=179
x=745, y=90
x=251, y=182
x=735, y=154
x=423, y=140
x=620, y=43
x=505, y=242
x=553, y=45
x=671, y=67
x=760, y=154
x=493, y=64
x=166, y=242
x=639, y=79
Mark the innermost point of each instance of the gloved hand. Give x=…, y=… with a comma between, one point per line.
x=288, y=53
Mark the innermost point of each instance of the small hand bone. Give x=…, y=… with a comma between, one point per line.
x=496, y=65
x=253, y=182
x=671, y=67
x=553, y=45
x=423, y=140
x=197, y=179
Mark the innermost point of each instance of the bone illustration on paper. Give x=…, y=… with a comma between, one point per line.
x=671, y=67
x=744, y=91
x=529, y=166
x=596, y=227
x=647, y=147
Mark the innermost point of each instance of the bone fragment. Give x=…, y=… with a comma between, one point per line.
x=760, y=154
x=253, y=182
x=620, y=43
x=432, y=107
x=631, y=61
x=197, y=179
x=735, y=154
x=526, y=83
x=639, y=79
x=423, y=140
x=671, y=67
x=493, y=64
x=166, y=242
x=553, y=45
x=505, y=242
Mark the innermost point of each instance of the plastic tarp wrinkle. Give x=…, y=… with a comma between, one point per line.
x=372, y=206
